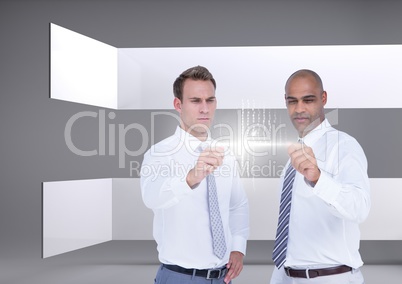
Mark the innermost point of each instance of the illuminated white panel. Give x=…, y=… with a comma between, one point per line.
x=381, y=223
x=76, y=214
x=87, y=71
x=132, y=220
x=83, y=70
x=130, y=80
x=384, y=222
x=254, y=77
x=263, y=197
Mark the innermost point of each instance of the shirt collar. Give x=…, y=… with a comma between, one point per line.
x=192, y=142
x=316, y=133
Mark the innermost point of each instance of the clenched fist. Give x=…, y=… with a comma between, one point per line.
x=303, y=160
x=207, y=162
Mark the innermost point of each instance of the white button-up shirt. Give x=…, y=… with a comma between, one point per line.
x=181, y=218
x=324, y=222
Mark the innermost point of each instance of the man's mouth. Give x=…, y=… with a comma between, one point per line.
x=300, y=119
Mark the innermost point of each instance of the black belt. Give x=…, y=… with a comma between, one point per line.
x=312, y=273
x=206, y=273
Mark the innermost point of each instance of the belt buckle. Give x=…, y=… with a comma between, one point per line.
x=287, y=271
x=213, y=270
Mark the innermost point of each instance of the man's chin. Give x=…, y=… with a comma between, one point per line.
x=303, y=130
x=299, y=126
x=201, y=130
x=202, y=126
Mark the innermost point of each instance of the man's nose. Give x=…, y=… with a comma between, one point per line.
x=204, y=107
x=300, y=107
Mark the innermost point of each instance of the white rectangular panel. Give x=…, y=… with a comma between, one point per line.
x=76, y=214
x=254, y=77
x=83, y=70
x=131, y=219
x=81, y=213
x=87, y=71
x=383, y=222
x=130, y=80
x=263, y=197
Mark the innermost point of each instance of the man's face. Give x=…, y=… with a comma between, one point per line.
x=305, y=102
x=197, y=107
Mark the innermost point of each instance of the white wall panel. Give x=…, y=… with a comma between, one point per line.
x=384, y=221
x=254, y=77
x=83, y=70
x=87, y=71
x=81, y=213
x=263, y=197
x=130, y=78
x=76, y=214
x=131, y=219
x=263, y=194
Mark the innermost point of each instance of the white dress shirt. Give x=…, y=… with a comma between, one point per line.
x=324, y=223
x=181, y=218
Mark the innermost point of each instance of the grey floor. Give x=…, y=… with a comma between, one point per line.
x=136, y=262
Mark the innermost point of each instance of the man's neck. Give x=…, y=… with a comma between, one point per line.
x=202, y=136
x=311, y=127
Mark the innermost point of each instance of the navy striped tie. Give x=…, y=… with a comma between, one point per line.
x=281, y=240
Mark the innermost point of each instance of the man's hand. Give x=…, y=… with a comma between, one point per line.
x=207, y=162
x=303, y=160
x=234, y=266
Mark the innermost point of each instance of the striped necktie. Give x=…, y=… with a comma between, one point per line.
x=281, y=241
x=218, y=235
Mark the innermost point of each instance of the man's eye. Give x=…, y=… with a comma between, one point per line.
x=308, y=101
x=292, y=102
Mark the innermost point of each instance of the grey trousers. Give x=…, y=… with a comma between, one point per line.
x=166, y=276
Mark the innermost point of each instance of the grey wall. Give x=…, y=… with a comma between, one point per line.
x=32, y=142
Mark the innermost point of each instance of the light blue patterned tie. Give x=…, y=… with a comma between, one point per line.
x=281, y=241
x=218, y=235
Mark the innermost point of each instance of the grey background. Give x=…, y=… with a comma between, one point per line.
x=32, y=143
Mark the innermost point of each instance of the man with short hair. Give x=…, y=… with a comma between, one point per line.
x=200, y=209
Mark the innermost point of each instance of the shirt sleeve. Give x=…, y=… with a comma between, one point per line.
x=162, y=186
x=345, y=187
x=239, y=214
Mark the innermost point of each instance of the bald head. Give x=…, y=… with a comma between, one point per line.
x=305, y=73
x=305, y=100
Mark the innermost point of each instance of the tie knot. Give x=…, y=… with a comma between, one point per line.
x=202, y=147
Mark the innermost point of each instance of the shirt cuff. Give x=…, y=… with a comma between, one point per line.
x=239, y=244
x=326, y=188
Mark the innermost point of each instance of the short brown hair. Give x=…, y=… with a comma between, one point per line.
x=193, y=73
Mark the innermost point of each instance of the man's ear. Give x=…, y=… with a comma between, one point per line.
x=177, y=104
x=324, y=98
